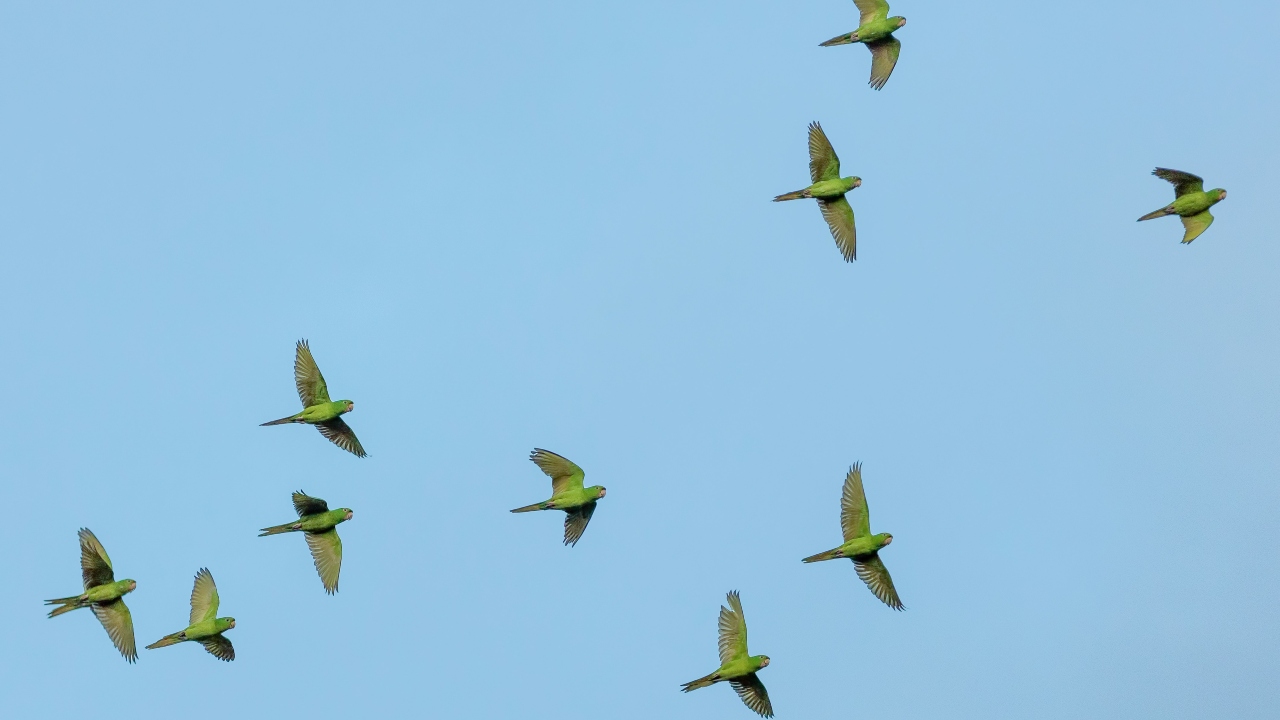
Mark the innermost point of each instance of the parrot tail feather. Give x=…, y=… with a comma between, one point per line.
x=277, y=529
x=701, y=682
x=797, y=195
x=281, y=421
x=844, y=39
x=1153, y=215
x=68, y=604
x=828, y=555
x=167, y=640
x=531, y=508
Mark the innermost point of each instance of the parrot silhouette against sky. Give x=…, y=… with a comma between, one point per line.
x=567, y=494
x=829, y=190
x=104, y=594
x=319, y=524
x=860, y=545
x=205, y=626
x=875, y=30
x=737, y=666
x=1191, y=202
x=318, y=409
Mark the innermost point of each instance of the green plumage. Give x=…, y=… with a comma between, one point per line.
x=1191, y=202
x=320, y=525
x=104, y=594
x=860, y=545
x=875, y=30
x=567, y=493
x=204, y=625
x=829, y=190
x=317, y=408
x=737, y=666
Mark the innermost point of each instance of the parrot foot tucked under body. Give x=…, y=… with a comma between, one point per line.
x=567, y=494
x=1192, y=202
x=737, y=667
x=875, y=30
x=318, y=409
x=320, y=525
x=104, y=594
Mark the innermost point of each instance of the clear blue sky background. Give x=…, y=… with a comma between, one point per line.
x=514, y=224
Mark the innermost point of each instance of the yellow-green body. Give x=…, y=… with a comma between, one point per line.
x=103, y=594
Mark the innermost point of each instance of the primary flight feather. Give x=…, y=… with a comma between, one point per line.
x=104, y=594
x=567, y=493
x=829, y=190
x=860, y=545
x=320, y=525
x=318, y=409
x=737, y=666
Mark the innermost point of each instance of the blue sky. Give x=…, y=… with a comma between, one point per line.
x=512, y=225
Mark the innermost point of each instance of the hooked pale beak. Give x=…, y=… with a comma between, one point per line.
x=233, y=623
x=902, y=22
x=602, y=492
x=349, y=514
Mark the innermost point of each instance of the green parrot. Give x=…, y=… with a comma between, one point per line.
x=567, y=494
x=206, y=627
x=318, y=409
x=736, y=666
x=103, y=593
x=321, y=527
x=860, y=545
x=828, y=189
x=1192, y=203
x=875, y=30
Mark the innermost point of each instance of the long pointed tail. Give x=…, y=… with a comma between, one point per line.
x=828, y=555
x=706, y=681
x=844, y=39
x=281, y=421
x=797, y=195
x=531, y=508
x=277, y=529
x=1158, y=213
x=167, y=640
x=68, y=604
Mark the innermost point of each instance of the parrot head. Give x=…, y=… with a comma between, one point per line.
x=346, y=515
x=231, y=622
x=349, y=406
x=901, y=20
x=886, y=538
x=131, y=585
x=764, y=661
x=854, y=182
x=1222, y=194
x=599, y=491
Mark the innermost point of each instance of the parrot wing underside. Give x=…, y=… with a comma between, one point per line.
x=564, y=474
x=118, y=623
x=855, y=520
x=95, y=565
x=338, y=432
x=312, y=389
x=575, y=522
x=326, y=552
x=204, y=597
x=753, y=694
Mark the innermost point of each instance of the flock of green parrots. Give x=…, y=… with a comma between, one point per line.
x=318, y=524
